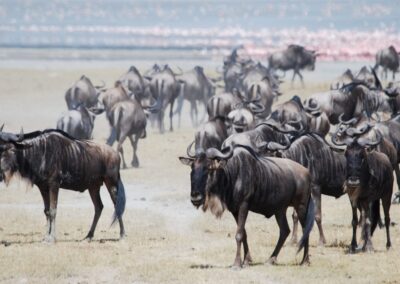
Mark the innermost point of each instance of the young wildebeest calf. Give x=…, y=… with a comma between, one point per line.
x=369, y=179
x=52, y=159
x=241, y=181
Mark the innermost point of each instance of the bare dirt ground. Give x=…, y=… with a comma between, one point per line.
x=168, y=240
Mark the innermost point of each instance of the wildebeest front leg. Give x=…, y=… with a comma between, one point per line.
x=112, y=190
x=53, y=193
x=240, y=233
x=44, y=191
x=366, y=216
x=354, y=224
x=284, y=232
x=247, y=258
x=98, y=207
x=134, y=143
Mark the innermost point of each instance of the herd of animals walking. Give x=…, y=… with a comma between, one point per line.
x=252, y=154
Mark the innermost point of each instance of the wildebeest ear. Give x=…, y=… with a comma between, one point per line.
x=186, y=161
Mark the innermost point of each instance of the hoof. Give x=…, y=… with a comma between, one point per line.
x=271, y=261
x=322, y=242
x=305, y=261
x=247, y=261
x=49, y=240
x=236, y=267
x=352, y=249
x=368, y=248
x=135, y=163
x=293, y=242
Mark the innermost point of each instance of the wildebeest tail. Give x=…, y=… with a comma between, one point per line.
x=310, y=216
x=121, y=201
x=375, y=215
x=116, y=121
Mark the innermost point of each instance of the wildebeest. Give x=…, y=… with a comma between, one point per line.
x=222, y=104
x=134, y=81
x=388, y=58
x=295, y=57
x=109, y=98
x=78, y=122
x=195, y=87
x=51, y=159
x=165, y=89
x=241, y=181
x=369, y=179
x=82, y=92
x=346, y=78
x=128, y=119
x=245, y=114
x=210, y=134
x=327, y=169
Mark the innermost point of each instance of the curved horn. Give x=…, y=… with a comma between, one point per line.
x=189, y=148
x=310, y=108
x=274, y=146
x=347, y=122
x=214, y=153
x=260, y=108
x=367, y=142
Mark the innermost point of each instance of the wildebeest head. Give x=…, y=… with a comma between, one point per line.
x=8, y=160
x=206, y=167
x=356, y=157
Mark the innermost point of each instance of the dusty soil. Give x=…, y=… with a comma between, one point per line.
x=168, y=240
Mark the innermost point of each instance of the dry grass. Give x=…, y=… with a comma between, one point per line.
x=168, y=240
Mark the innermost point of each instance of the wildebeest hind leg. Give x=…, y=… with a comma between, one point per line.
x=247, y=258
x=134, y=143
x=121, y=150
x=284, y=232
x=240, y=233
x=171, y=114
x=386, y=208
x=396, y=198
x=98, y=207
x=112, y=190
x=295, y=226
x=46, y=201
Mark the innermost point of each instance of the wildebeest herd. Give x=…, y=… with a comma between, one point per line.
x=252, y=154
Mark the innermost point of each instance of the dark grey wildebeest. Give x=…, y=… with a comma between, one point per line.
x=165, y=89
x=129, y=121
x=389, y=59
x=109, y=98
x=241, y=181
x=52, y=159
x=82, y=92
x=369, y=179
x=327, y=169
x=79, y=122
x=295, y=58
x=195, y=87
x=222, y=104
x=133, y=81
